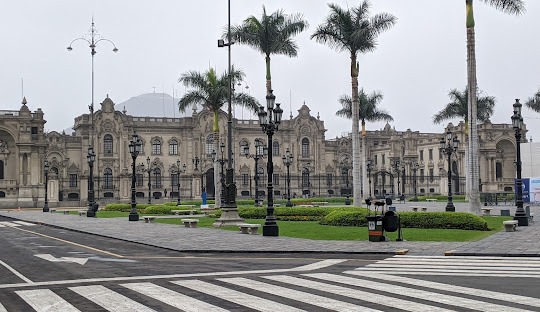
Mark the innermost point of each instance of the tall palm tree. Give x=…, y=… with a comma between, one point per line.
x=271, y=34
x=534, y=102
x=458, y=108
x=507, y=6
x=212, y=92
x=354, y=31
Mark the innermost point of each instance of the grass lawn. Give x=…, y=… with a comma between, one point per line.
x=313, y=230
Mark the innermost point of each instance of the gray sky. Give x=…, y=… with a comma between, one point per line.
x=415, y=65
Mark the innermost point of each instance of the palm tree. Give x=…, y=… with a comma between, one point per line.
x=534, y=102
x=458, y=108
x=507, y=6
x=271, y=34
x=212, y=92
x=354, y=31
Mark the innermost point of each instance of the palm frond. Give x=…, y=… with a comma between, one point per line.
x=534, y=102
x=516, y=7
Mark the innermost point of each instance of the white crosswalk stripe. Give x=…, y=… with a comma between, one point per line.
x=354, y=290
x=457, y=266
x=15, y=223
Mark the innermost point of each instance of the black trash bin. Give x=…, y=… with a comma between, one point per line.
x=375, y=228
x=390, y=221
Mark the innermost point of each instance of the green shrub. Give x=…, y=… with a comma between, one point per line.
x=159, y=209
x=287, y=213
x=124, y=207
x=346, y=217
x=443, y=220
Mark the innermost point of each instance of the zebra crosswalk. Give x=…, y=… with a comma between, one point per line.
x=14, y=224
x=366, y=288
x=458, y=266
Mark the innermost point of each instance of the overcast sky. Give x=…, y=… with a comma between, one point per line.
x=415, y=65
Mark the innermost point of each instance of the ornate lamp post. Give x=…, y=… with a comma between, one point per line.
x=46, y=171
x=287, y=161
x=149, y=170
x=261, y=151
x=449, y=145
x=346, y=165
x=414, y=167
x=183, y=170
x=396, y=168
x=517, y=123
x=135, y=147
x=222, y=162
x=93, y=38
x=91, y=157
x=369, y=167
x=269, y=122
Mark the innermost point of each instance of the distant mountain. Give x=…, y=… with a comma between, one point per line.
x=152, y=105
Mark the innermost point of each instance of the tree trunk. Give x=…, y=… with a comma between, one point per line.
x=357, y=196
x=364, y=155
x=268, y=76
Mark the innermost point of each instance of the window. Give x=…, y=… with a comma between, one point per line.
x=210, y=145
x=107, y=179
x=421, y=175
x=73, y=180
x=173, y=147
x=275, y=148
x=174, y=180
x=276, y=178
x=383, y=160
x=344, y=175
x=431, y=175
x=305, y=177
x=245, y=179
x=156, y=147
x=1, y=169
x=108, y=144
x=34, y=132
x=329, y=179
x=261, y=148
x=139, y=178
x=430, y=154
x=498, y=170
x=244, y=148
x=157, y=178
x=375, y=159
x=421, y=155
x=305, y=147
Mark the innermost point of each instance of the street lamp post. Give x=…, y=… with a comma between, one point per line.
x=135, y=147
x=287, y=161
x=149, y=170
x=346, y=165
x=46, y=171
x=93, y=38
x=222, y=162
x=369, y=167
x=449, y=145
x=517, y=123
x=261, y=151
x=414, y=167
x=91, y=157
x=396, y=167
x=183, y=170
x=269, y=122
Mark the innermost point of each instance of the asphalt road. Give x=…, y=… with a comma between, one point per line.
x=49, y=269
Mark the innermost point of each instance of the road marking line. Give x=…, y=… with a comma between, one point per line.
x=24, y=223
x=358, y=294
x=24, y=278
x=73, y=243
x=460, y=289
x=297, y=295
x=447, y=273
x=459, y=258
x=454, y=261
x=45, y=300
x=2, y=309
x=456, y=267
x=320, y=264
x=413, y=292
x=250, y=301
x=9, y=224
x=142, y=277
x=110, y=300
x=478, y=270
x=172, y=298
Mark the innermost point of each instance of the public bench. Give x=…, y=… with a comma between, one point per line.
x=487, y=211
x=149, y=219
x=415, y=208
x=184, y=211
x=190, y=222
x=247, y=228
x=431, y=200
x=510, y=225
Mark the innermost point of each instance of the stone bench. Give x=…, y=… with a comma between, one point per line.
x=149, y=219
x=190, y=222
x=487, y=211
x=184, y=211
x=510, y=225
x=247, y=228
x=82, y=213
x=415, y=208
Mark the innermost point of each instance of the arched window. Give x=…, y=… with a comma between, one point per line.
x=107, y=179
x=210, y=145
x=305, y=147
x=498, y=171
x=173, y=147
x=275, y=148
x=156, y=147
x=108, y=144
x=157, y=177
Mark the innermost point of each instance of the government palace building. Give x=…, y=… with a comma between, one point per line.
x=179, y=158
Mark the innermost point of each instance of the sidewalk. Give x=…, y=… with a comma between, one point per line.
x=524, y=242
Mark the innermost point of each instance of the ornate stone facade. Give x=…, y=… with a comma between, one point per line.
x=317, y=168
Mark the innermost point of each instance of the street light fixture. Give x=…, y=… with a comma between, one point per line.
x=414, y=166
x=261, y=151
x=449, y=145
x=287, y=161
x=135, y=147
x=397, y=167
x=222, y=162
x=93, y=38
x=183, y=170
x=91, y=157
x=346, y=165
x=369, y=167
x=149, y=170
x=517, y=123
x=269, y=121
x=46, y=171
